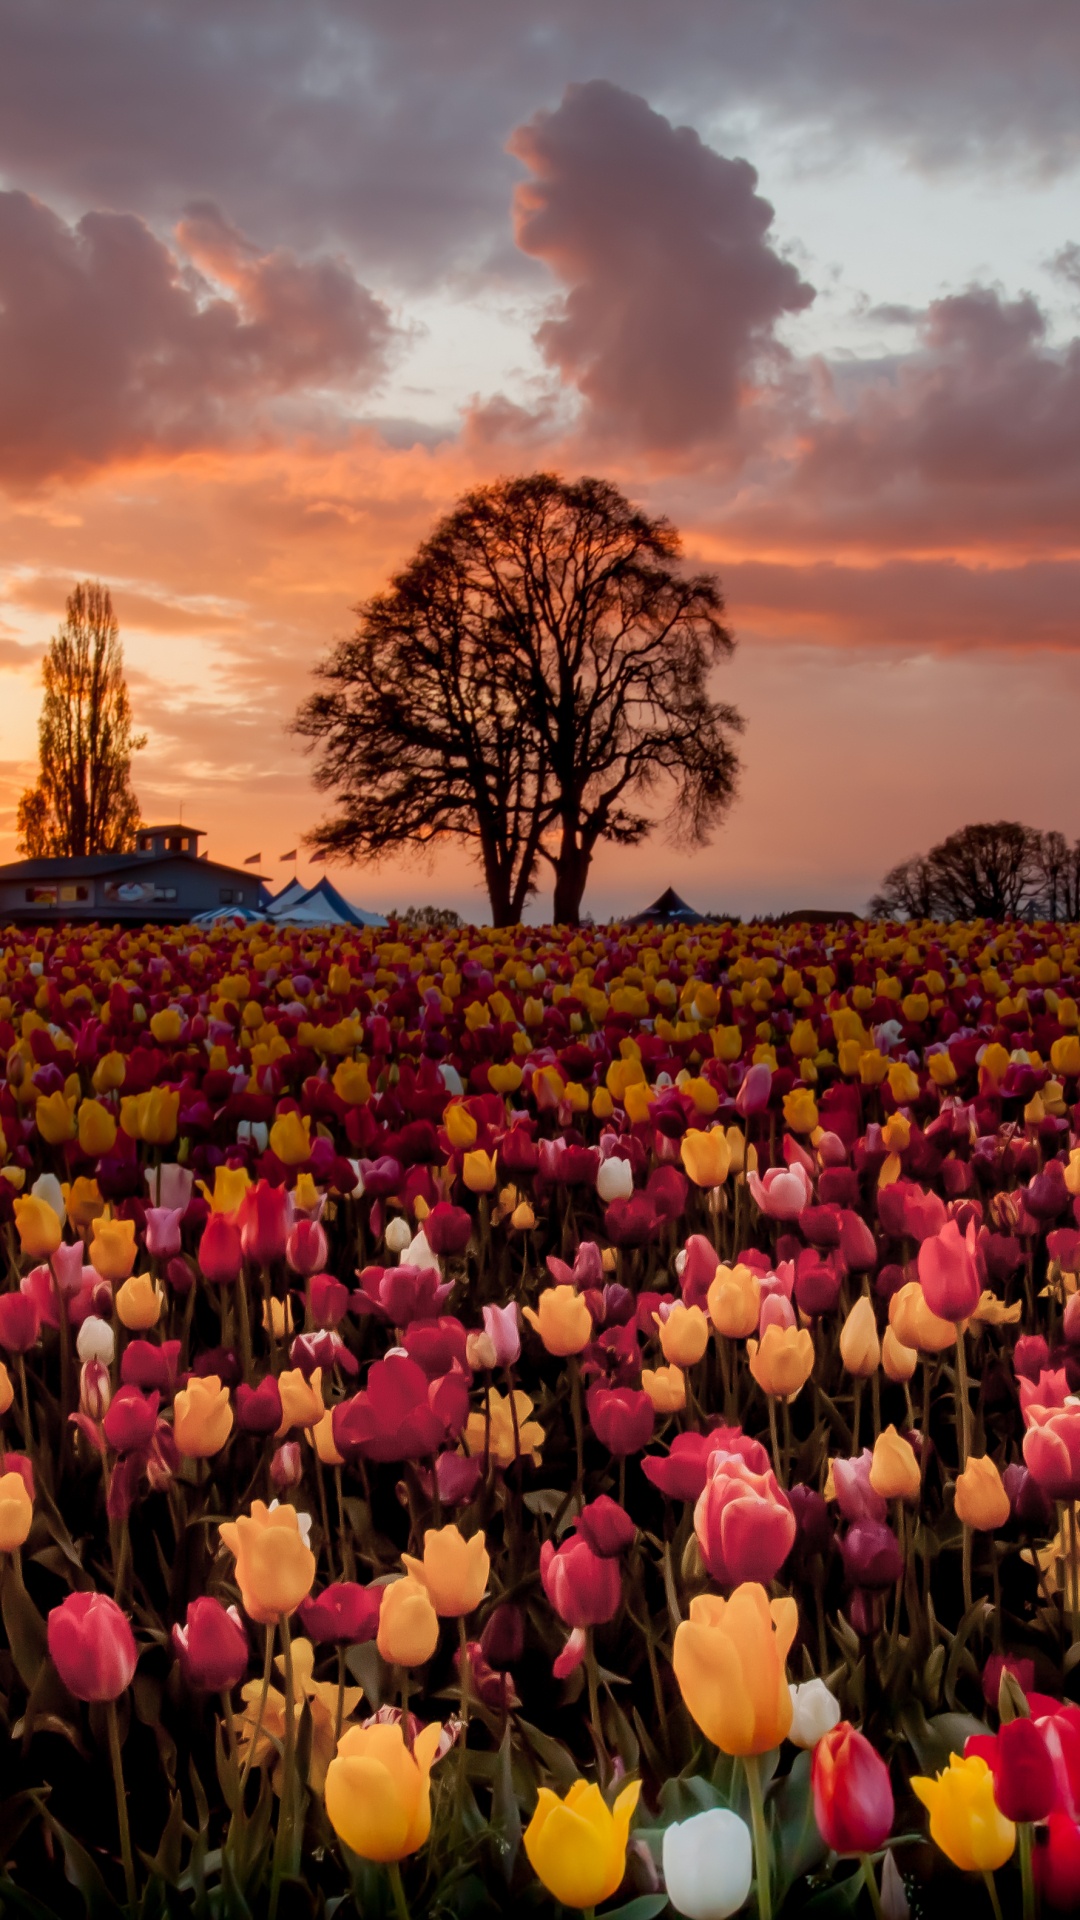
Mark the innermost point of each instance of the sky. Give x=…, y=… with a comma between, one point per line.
x=280, y=280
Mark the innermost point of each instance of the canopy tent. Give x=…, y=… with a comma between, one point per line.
x=318, y=906
x=669, y=906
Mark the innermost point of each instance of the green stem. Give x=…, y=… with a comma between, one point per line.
x=339, y=1711
x=968, y=1602
x=992, y=1891
x=752, y=1769
x=963, y=1404
x=778, y=1462
x=401, y=1905
x=870, y=1878
x=121, y=1802
x=575, y=1411
x=1027, y=1876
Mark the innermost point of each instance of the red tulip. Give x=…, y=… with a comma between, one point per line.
x=212, y=1647
x=264, y=1219
x=329, y=1299
x=606, y=1526
x=949, y=1273
x=306, y=1248
x=20, y=1322
x=744, y=1523
x=400, y=1414
x=622, y=1418
x=345, y=1614
x=130, y=1420
x=145, y=1364
x=1025, y=1785
x=1057, y=1864
x=92, y=1646
x=853, y=1798
x=258, y=1409
x=583, y=1588
x=220, y=1249
x=448, y=1229
x=1052, y=1450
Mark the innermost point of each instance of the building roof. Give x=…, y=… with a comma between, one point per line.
x=318, y=906
x=669, y=906
x=89, y=866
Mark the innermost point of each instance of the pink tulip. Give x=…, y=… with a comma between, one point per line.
x=782, y=1192
x=949, y=1272
x=744, y=1523
x=92, y=1646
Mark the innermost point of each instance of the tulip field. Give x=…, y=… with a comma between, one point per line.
x=540, y=1421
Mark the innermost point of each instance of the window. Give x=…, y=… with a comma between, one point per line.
x=71, y=892
x=146, y=843
x=225, y=895
x=164, y=893
x=174, y=844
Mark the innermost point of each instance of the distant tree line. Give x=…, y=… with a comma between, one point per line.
x=994, y=870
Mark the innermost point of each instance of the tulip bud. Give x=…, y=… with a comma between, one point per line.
x=860, y=1347
x=898, y=1362
x=96, y=1341
x=814, y=1712
x=708, y=1864
x=95, y=1389
x=397, y=1235
x=286, y=1466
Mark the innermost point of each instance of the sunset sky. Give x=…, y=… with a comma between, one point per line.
x=279, y=280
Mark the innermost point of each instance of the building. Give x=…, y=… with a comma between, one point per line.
x=166, y=879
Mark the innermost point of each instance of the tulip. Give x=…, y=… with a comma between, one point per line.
x=16, y=1511
x=212, y=1646
x=666, y=1388
x=202, y=1417
x=91, y=1646
x=290, y=1139
x=614, y=1180
x=782, y=1192
x=1052, y=1450
x=478, y=1171
x=112, y=1248
x=378, y=1790
x=894, y=1470
x=506, y=1432
x=264, y=1217
x=454, y=1570
x=708, y=1864
x=684, y=1334
x=965, y=1821
x=1025, y=1781
x=38, y=1227
x=275, y=1567
x=733, y=1302
x=130, y=1420
x=744, y=1524
x=706, y=1156
x=860, y=1348
x=301, y=1400
x=562, y=1319
x=97, y=1129
x=97, y=1341
x=584, y=1587
x=140, y=1301
x=20, y=1322
x=163, y=1231
x=408, y=1624
x=814, y=1713
x=898, y=1362
x=729, y=1662
x=853, y=1798
x=949, y=1274
x=344, y=1614
x=1057, y=1864
x=220, y=1249
x=783, y=1361
x=622, y=1418
x=607, y=1527
x=230, y=1186
x=577, y=1846
x=259, y=1409
x=54, y=1117
x=913, y=1323
x=981, y=1499
x=872, y=1557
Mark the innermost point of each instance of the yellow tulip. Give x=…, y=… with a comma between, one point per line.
x=112, y=1248
x=800, y=1110
x=97, y=1129
x=38, y=1227
x=16, y=1512
x=378, y=1792
x=351, y=1082
x=461, y=1128
x=166, y=1025
x=275, y=1567
x=230, y=1186
x=54, y=1115
x=860, y=1348
x=894, y=1470
x=914, y=1324
x=964, y=1817
x=898, y=1362
x=981, y=1499
x=139, y=1303
x=684, y=1335
x=7, y=1391
x=577, y=1846
x=562, y=1319
x=506, y=1430
x=782, y=1361
x=734, y=1301
x=408, y=1624
x=202, y=1417
x=454, y=1570
x=706, y=1156
x=108, y=1075
x=323, y=1435
x=666, y=1388
x=301, y=1399
x=478, y=1171
x=729, y=1659
x=151, y=1116
x=290, y=1138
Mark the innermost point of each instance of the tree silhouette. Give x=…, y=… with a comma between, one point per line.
x=83, y=801
x=535, y=681
x=993, y=870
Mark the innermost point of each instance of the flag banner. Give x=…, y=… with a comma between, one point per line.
x=253, y=859
x=317, y=856
x=288, y=856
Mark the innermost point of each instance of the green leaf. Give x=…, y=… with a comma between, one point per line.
x=645, y=1907
x=81, y=1871
x=801, y=1847
x=559, y=1762
x=23, y=1625
x=505, y=1811
x=842, y=1897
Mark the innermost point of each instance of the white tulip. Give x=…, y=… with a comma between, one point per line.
x=708, y=1864
x=814, y=1712
x=47, y=1187
x=418, y=1253
x=170, y=1184
x=451, y=1079
x=615, y=1180
x=398, y=1234
x=96, y=1341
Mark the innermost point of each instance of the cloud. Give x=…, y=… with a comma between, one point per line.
x=674, y=290
x=113, y=346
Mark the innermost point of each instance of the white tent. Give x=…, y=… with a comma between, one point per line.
x=318, y=906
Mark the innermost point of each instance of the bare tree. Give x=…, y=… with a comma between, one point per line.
x=535, y=681
x=83, y=801
x=908, y=890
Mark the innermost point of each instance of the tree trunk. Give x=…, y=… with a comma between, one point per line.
x=571, y=875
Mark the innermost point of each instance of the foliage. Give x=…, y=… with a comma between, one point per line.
x=993, y=870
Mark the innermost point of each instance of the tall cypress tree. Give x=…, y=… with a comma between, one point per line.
x=83, y=801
